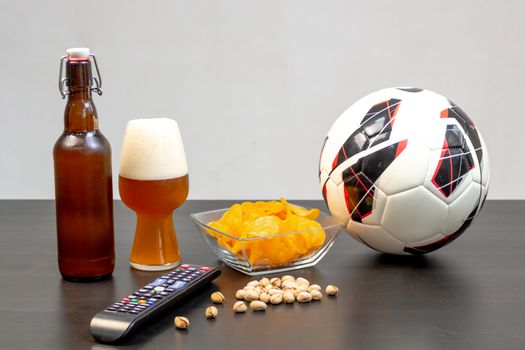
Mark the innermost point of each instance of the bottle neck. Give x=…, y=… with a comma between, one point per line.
x=80, y=114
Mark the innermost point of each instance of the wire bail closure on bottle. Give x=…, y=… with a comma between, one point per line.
x=95, y=80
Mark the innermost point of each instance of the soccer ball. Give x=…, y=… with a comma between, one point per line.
x=405, y=169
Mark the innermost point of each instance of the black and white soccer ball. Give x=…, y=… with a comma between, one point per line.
x=405, y=169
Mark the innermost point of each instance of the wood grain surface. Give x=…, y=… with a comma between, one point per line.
x=468, y=295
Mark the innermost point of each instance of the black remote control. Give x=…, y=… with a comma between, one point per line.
x=123, y=318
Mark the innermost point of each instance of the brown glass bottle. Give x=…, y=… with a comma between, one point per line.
x=83, y=184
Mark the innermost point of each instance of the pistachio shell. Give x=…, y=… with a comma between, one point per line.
x=217, y=298
x=211, y=312
x=181, y=322
x=240, y=294
x=304, y=297
x=316, y=294
x=258, y=305
x=331, y=290
x=240, y=306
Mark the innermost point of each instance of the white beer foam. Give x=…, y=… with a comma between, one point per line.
x=152, y=150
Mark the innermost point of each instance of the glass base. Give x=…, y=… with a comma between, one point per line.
x=167, y=266
x=86, y=279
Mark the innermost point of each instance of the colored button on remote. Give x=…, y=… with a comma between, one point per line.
x=158, y=282
x=177, y=285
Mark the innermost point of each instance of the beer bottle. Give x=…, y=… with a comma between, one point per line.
x=83, y=184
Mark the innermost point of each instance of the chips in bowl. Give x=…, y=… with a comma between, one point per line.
x=271, y=220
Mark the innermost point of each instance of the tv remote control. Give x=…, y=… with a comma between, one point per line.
x=122, y=318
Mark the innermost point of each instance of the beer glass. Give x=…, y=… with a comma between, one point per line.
x=153, y=182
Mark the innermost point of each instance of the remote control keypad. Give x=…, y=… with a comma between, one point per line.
x=152, y=293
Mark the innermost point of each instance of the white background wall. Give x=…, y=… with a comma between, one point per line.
x=255, y=85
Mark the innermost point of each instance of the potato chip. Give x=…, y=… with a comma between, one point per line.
x=233, y=218
x=261, y=228
x=300, y=211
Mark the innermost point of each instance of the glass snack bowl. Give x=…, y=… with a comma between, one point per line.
x=275, y=253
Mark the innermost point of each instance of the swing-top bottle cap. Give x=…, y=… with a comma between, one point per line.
x=78, y=53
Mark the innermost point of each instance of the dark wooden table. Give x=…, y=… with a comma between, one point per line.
x=470, y=294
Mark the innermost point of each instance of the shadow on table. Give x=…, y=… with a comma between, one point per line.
x=79, y=302
x=416, y=261
x=410, y=302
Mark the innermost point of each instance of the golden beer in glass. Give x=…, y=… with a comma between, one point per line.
x=153, y=182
